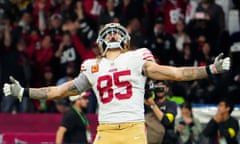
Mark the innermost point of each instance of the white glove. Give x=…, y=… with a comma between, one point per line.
x=220, y=64
x=13, y=89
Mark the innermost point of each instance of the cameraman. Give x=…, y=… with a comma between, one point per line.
x=163, y=109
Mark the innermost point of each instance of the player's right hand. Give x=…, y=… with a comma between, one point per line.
x=13, y=89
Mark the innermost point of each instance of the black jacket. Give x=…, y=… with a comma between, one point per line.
x=213, y=129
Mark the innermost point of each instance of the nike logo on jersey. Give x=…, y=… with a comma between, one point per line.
x=136, y=137
x=112, y=70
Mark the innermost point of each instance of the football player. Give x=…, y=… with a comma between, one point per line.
x=118, y=78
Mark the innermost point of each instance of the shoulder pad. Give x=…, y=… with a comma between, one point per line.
x=145, y=53
x=88, y=63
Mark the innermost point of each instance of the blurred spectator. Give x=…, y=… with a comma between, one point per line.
x=164, y=110
x=55, y=30
x=15, y=63
x=130, y=9
x=71, y=72
x=187, y=57
x=187, y=126
x=74, y=127
x=191, y=10
x=5, y=42
x=222, y=128
x=22, y=4
x=148, y=17
x=5, y=34
x=173, y=10
x=93, y=8
x=24, y=26
x=33, y=42
x=204, y=57
x=67, y=10
x=43, y=57
x=180, y=35
x=198, y=29
x=46, y=105
x=40, y=11
x=208, y=9
x=109, y=14
x=62, y=105
x=134, y=28
x=67, y=52
x=209, y=21
x=88, y=34
x=161, y=43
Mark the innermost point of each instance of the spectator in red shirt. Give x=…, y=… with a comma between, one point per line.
x=43, y=57
x=173, y=10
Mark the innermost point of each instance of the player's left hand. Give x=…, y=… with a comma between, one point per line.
x=13, y=89
x=221, y=64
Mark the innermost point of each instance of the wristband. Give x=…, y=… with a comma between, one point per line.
x=208, y=70
x=211, y=69
x=26, y=92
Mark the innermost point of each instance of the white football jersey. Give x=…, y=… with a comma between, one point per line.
x=119, y=85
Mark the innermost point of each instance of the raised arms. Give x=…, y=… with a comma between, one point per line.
x=70, y=88
x=158, y=72
x=55, y=92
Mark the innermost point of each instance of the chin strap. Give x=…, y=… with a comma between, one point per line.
x=112, y=45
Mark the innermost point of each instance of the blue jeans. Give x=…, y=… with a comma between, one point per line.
x=10, y=103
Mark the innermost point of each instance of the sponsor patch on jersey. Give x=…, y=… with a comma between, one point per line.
x=94, y=68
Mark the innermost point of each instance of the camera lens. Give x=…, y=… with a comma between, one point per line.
x=159, y=89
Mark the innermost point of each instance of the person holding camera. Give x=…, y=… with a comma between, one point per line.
x=164, y=109
x=187, y=127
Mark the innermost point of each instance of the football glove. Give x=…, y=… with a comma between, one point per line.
x=220, y=65
x=13, y=89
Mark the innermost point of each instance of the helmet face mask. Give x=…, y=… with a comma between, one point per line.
x=113, y=36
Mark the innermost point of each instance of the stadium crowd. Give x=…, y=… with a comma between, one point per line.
x=44, y=42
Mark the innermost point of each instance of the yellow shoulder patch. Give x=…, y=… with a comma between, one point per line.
x=231, y=132
x=170, y=117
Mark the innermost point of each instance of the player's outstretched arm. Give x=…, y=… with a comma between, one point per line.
x=159, y=72
x=53, y=92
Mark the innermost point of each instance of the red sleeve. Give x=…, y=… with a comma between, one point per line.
x=93, y=8
x=44, y=56
x=36, y=10
x=30, y=50
x=83, y=52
